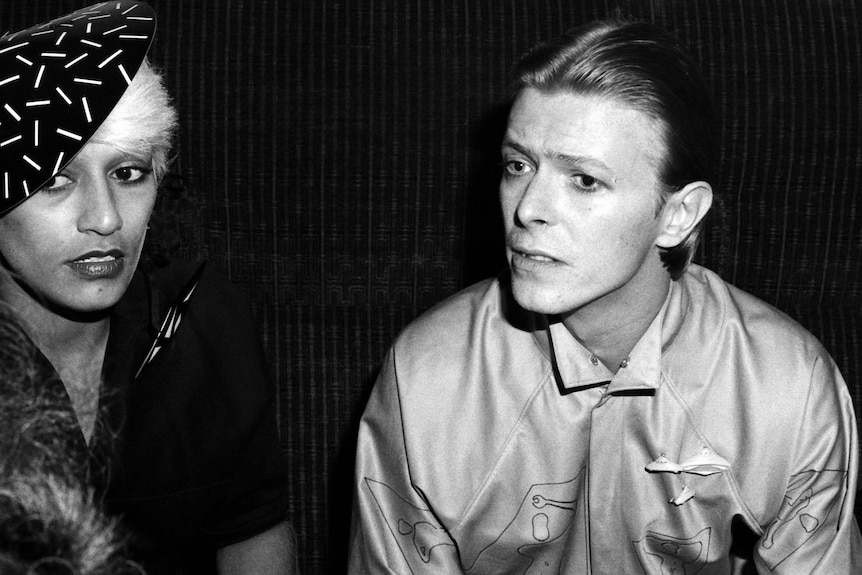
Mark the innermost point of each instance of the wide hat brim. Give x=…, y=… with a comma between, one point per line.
x=58, y=83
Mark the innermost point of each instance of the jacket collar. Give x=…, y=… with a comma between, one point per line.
x=576, y=369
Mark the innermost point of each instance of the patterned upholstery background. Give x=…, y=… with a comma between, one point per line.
x=342, y=155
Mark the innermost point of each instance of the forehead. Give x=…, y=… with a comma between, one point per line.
x=100, y=154
x=551, y=124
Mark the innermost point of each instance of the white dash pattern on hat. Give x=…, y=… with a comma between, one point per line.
x=58, y=82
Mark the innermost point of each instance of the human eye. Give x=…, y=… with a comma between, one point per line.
x=585, y=182
x=515, y=168
x=131, y=174
x=56, y=183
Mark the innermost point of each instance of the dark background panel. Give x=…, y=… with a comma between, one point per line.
x=342, y=157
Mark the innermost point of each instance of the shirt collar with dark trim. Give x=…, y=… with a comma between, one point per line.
x=576, y=369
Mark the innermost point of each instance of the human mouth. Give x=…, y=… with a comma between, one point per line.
x=537, y=257
x=531, y=259
x=99, y=265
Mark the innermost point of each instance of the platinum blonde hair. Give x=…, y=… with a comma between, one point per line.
x=144, y=121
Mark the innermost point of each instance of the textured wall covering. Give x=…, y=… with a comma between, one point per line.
x=342, y=154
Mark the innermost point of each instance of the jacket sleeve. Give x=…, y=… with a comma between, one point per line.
x=394, y=528
x=815, y=530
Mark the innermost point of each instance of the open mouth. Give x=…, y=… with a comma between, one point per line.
x=99, y=256
x=534, y=256
x=95, y=259
x=99, y=265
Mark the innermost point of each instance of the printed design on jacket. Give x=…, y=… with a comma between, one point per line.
x=668, y=555
x=807, y=503
x=534, y=542
x=531, y=543
x=417, y=532
x=172, y=320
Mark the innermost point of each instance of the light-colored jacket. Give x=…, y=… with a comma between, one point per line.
x=494, y=443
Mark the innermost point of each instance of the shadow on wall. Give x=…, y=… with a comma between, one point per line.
x=483, y=257
x=484, y=237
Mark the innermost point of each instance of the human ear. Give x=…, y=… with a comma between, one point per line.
x=682, y=212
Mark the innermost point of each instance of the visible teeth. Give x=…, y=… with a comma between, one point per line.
x=540, y=258
x=97, y=259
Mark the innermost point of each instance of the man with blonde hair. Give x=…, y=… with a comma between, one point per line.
x=605, y=406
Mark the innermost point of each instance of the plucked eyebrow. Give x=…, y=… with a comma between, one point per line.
x=125, y=155
x=572, y=161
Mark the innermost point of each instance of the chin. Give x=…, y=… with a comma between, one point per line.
x=90, y=302
x=85, y=308
x=538, y=300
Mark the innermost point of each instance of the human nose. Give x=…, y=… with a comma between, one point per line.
x=533, y=206
x=99, y=210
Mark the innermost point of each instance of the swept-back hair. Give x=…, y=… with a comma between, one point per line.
x=639, y=65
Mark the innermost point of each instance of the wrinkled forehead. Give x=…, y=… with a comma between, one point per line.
x=59, y=81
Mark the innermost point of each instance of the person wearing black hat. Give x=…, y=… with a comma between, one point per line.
x=163, y=366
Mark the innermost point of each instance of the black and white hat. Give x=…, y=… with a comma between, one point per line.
x=58, y=83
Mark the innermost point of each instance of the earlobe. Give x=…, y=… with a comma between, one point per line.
x=682, y=212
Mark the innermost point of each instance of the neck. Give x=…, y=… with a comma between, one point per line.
x=74, y=344
x=55, y=331
x=611, y=326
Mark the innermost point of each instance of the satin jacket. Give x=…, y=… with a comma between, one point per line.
x=493, y=442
